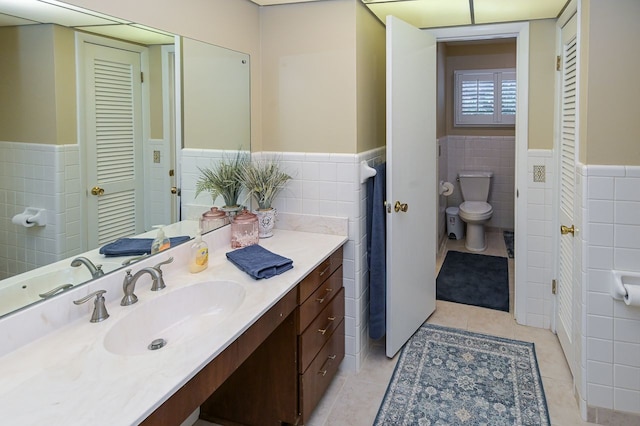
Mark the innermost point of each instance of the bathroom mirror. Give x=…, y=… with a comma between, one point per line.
x=41, y=152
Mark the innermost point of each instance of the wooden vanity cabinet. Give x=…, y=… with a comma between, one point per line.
x=283, y=380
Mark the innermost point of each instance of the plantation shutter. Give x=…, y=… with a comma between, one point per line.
x=508, y=94
x=567, y=183
x=114, y=144
x=476, y=96
x=485, y=97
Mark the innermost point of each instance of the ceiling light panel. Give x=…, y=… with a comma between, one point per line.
x=487, y=11
x=425, y=13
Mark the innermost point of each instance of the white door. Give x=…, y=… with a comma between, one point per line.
x=112, y=105
x=568, y=130
x=411, y=181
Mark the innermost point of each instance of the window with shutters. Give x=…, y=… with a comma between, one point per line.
x=485, y=97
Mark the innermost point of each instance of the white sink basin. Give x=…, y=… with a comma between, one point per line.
x=174, y=317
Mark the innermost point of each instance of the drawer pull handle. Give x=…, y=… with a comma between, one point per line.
x=324, y=330
x=321, y=299
x=323, y=371
x=325, y=269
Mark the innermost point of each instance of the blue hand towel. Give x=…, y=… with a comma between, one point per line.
x=259, y=262
x=135, y=246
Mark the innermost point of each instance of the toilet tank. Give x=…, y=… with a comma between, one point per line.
x=475, y=184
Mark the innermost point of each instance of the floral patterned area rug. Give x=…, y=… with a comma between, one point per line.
x=446, y=376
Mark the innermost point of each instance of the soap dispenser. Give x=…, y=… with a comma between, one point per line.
x=161, y=242
x=199, y=256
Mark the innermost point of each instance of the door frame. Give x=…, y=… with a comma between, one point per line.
x=519, y=30
x=80, y=40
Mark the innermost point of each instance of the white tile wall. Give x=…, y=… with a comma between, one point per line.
x=611, y=220
x=494, y=153
x=41, y=176
x=539, y=304
x=324, y=185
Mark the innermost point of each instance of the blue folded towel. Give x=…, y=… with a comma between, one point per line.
x=259, y=262
x=135, y=246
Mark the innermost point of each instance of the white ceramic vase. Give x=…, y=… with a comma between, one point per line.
x=266, y=220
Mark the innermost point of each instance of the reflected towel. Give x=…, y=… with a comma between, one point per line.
x=259, y=262
x=135, y=246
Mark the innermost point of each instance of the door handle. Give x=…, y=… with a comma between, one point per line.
x=96, y=190
x=175, y=190
x=564, y=230
x=403, y=207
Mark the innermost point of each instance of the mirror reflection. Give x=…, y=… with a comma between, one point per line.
x=103, y=124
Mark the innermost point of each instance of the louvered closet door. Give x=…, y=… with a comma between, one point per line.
x=566, y=275
x=113, y=143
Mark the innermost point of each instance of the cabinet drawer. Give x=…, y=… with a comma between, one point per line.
x=320, y=330
x=318, y=275
x=315, y=381
x=323, y=295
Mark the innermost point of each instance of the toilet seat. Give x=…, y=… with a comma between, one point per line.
x=475, y=210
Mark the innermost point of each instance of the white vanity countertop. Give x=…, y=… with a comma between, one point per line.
x=67, y=377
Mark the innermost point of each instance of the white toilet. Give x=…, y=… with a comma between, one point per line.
x=475, y=210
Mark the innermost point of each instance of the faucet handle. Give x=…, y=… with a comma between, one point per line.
x=164, y=262
x=99, y=310
x=158, y=284
x=129, y=297
x=99, y=272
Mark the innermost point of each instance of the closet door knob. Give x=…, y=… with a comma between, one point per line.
x=96, y=190
x=564, y=230
x=403, y=207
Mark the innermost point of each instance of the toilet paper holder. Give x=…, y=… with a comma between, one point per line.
x=620, y=278
x=31, y=217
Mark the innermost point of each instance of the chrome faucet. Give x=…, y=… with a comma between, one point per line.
x=129, y=284
x=96, y=270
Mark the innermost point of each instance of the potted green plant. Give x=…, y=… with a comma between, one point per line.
x=224, y=179
x=263, y=180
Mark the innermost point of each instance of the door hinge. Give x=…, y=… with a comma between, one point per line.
x=554, y=286
x=141, y=77
x=558, y=63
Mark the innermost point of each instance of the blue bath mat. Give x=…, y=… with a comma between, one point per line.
x=474, y=279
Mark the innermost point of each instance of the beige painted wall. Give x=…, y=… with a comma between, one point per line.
x=309, y=77
x=610, y=111
x=215, y=110
x=370, y=79
x=234, y=24
x=542, y=74
x=37, y=85
x=476, y=55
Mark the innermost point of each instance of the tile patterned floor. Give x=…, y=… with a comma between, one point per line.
x=353, y=399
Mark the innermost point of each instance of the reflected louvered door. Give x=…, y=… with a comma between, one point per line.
x=113, y=143
x=566, y=250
